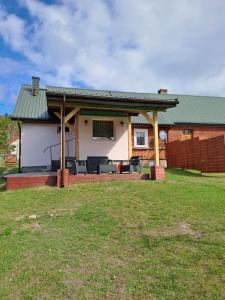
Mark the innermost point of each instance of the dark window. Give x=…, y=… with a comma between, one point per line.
x=103, y=129
x=187, y=131
x=67, y=129
x=140, y=138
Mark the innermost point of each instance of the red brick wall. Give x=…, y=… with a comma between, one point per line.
x=148, y=153
x=202, y=132
x=175, y=134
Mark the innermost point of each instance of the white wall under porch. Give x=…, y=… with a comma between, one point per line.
x=114, y=149
x=35, y=137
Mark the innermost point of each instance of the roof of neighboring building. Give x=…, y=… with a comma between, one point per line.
x=190, y=110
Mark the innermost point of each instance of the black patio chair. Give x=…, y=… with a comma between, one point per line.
x=131, y=166
x=100, y=164
x=76, y=166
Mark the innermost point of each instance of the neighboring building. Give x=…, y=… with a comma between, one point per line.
x=108, y=116
x=194, y=116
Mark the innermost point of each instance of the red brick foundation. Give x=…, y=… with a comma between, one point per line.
x=59, y=177
x=13, y=183
x=157, y=173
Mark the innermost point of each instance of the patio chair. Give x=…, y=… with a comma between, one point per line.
x=100, y=164
x=130, y=166
x=75, y=166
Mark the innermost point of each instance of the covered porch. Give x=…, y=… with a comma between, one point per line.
x=78, y=108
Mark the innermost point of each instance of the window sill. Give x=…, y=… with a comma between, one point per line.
x=103, y=139
x=141, y=147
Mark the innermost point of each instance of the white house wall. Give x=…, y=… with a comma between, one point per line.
x=114, y=149
x=35, y=138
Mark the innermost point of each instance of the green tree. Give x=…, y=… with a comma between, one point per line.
x=7, y=128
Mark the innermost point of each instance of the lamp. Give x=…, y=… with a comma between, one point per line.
x=85, y=122
x=122, y=123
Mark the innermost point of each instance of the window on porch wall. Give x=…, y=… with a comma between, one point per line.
x=103, y=129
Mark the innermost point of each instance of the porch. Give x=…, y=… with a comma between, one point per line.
x=74, y=108
x=38, y=179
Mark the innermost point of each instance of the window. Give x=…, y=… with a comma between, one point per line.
x=140, y=138
x=187, y=131
x=103, y=129
x=67, y=129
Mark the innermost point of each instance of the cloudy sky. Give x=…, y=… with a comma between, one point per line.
x=134, y=45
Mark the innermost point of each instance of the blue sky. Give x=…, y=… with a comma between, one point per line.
x=135, y=45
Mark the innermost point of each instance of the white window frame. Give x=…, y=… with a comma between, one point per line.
x=145, y=130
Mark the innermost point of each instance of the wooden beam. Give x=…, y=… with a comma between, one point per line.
x=72, y=113
x=67, y=124
x=147, y=117
x=129, y=137
x=62, y=160
x=76, y=127
x=156, y=138
x=54, y=104
x=57, y=114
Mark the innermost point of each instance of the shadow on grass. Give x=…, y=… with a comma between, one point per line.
x=183, y=172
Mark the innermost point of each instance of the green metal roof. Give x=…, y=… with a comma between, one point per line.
x=107, y=94
x=29, y=106
x=190, y=110
x=163, y=119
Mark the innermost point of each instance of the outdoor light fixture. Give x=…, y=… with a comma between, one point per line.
x=85, y=122
x=122, y=123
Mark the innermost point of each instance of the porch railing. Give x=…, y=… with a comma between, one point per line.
x=52, y=146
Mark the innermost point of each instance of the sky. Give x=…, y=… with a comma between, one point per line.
x=127, y=45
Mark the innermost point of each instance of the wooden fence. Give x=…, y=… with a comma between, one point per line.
x=206, y=155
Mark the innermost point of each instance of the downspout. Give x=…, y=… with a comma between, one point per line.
x=18, y=123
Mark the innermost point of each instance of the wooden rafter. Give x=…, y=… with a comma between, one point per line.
x=72, y=113
x=147, y=117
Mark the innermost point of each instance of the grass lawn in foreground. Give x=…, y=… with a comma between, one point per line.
x=115, y=240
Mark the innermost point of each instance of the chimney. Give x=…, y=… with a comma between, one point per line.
x=162, y=91
x=35, y=85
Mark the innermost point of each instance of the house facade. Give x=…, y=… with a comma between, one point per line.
x=107, y=123
x=56, y=123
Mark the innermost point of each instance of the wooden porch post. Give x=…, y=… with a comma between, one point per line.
x=76, y=125
x=129, y=137
x=62, y=161
x=156, y=138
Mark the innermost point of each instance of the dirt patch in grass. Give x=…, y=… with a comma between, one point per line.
x=75, y=282
x=32, y=226
x=176, y=230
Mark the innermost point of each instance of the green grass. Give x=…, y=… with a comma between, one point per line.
x=115, y=240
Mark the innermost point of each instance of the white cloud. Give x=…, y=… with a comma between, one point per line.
x=123, y=44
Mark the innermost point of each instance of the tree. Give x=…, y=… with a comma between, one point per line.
x=8, y=128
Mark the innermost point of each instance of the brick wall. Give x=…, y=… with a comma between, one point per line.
x=148, y=153
x=176, y=134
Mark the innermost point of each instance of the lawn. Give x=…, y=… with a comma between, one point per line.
x=115, y=240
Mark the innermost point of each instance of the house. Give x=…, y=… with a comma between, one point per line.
x=114, y=124
x=57, y=122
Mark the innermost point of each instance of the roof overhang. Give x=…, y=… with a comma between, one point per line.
x=112, y=103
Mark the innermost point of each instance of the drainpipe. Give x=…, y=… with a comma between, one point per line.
x=18, y=123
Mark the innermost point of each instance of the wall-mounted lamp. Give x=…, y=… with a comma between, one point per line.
x=85, y=122
x=122, y=123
